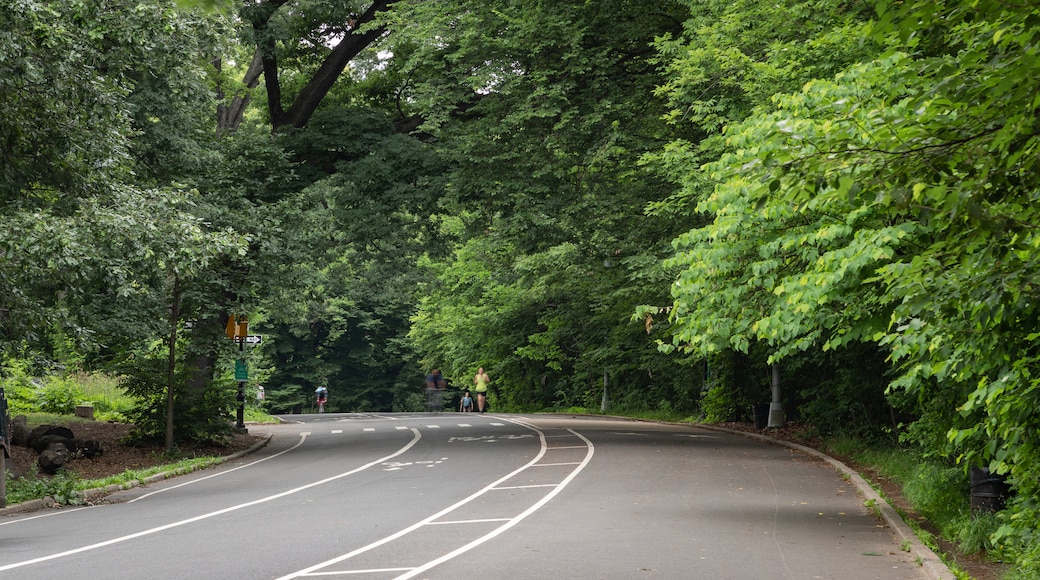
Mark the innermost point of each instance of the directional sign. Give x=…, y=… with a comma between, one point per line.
x=254, y=339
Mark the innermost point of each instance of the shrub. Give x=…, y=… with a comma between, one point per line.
x=58, y=395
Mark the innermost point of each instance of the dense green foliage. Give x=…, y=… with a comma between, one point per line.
x=893, y=203
x=604, y=203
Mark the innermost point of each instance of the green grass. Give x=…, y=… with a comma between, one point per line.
x=129, y=476
x=104, y=393
x=65, y=488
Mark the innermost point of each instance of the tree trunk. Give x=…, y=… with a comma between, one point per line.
x=776, y=407
x=311, y=95
x=171, y=365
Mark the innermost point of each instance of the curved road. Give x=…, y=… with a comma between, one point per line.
x=474, y=496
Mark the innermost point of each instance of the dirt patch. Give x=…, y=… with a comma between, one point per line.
x=976, y=566
x=117, y=456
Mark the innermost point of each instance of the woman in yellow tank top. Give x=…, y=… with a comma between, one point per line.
x=480, y=382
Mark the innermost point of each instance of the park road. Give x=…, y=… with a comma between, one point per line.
x=453, y=495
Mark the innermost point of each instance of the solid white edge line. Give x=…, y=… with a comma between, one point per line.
x=415, y=439
x=494, y=533
x=421, y=523
x=303, y=437
x=47, y=515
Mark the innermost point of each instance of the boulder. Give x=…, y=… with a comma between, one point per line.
x=44, y=430
x=47, y=441
x=20, y=430
x=53, y=458
x=88, y=448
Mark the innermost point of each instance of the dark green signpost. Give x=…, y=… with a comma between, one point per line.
x=5, y=452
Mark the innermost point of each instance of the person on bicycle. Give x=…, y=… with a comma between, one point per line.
x=323, y=397
x=435, y=385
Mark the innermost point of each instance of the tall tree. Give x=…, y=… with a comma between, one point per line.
x=292, y=34
x=895, y=203
x=544, y=116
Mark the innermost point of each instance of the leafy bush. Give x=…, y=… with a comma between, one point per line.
x=718, y=404
x=18, y=386
x=58, y=395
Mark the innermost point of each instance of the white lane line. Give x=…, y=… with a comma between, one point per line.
x=452, y=522
x=401, y=428
x=349, y=572
x=501, y=529
x=47, y=515
x=369, y=429
x=465, y=425
x=527, y=486
x=303, y=437
x=337, y=431
x=433, y=426
x=307, y=571
x=509, y=522
x=416, y=436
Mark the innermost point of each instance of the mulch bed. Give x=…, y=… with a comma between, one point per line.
x=118, y=456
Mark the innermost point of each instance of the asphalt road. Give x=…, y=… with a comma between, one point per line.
x=458, y=496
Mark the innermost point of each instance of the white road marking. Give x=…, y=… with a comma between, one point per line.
x=303, y=437
x=337, y=431
x=369, y=429
x=509, y=522
x=456, y=522
x=415, y=439
x=47, y=515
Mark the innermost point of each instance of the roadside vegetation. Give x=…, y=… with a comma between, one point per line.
x=687, y=208
x=51, y=400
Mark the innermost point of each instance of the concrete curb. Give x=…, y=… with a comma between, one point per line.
x=98, y=492
x=928, y=559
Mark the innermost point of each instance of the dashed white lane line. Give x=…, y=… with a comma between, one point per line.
x=514, y=521
x=336, y=431
x=415, y=439
x=431, y=520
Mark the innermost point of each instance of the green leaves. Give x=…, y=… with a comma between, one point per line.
x=892, y=202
